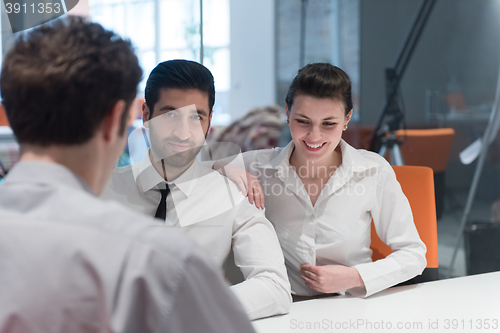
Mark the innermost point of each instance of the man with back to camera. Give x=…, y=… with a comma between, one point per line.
x=69, y=261
x=170, y=184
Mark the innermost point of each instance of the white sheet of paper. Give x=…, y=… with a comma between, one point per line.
x=469, y=154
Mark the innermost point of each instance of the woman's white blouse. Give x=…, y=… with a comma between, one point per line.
x=337, y=229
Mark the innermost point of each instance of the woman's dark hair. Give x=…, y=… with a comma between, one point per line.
x=60, y=81
x=179, y=74
x=321, y=80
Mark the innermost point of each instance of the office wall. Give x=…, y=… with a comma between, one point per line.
x=252, y=55
x=331, y=35
x=461, y=39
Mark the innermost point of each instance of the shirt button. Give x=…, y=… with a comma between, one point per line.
x=311, y=251
x=312, y=218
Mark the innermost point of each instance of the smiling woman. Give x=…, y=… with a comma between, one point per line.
x=321, y=195
x=316, y=125
x=318, y=109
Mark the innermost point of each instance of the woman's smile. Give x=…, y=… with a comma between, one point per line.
x=314, y=147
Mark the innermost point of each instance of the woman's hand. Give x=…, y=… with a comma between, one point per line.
x=248, y=183
x=330, y=278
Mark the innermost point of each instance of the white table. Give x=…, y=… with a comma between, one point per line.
x=466, y=304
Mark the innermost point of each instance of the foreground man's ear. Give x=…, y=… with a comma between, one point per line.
x=111, y=125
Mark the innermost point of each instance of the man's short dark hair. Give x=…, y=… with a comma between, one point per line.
x=179, y=74
x=60, y=81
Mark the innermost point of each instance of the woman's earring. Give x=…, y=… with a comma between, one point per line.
x=345, y=127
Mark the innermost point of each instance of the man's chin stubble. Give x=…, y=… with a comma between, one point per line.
x=182, y=159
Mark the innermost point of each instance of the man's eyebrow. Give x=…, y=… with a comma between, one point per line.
x=202, y=112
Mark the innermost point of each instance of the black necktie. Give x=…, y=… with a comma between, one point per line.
x=161, y=211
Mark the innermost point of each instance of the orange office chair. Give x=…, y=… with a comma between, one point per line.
x=427, y=147
x=418, y=186
x=430, y=148
x=3, y=117
x=358, y=136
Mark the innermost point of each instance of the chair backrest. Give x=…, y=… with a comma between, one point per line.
x=3, y=116
x=427, y=147
x=358, y=136
x=418, y=186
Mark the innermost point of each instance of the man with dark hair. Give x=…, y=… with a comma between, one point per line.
x=70, y=262
x=170, y=184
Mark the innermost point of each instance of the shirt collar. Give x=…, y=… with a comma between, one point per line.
x=351, y=158
x=38, y=172
x=146, y=176
x=282, y=160
x=355, y=160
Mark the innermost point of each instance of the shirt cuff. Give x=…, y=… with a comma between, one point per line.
x=377, y=276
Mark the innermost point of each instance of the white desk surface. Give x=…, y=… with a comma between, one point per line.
x=465, y=304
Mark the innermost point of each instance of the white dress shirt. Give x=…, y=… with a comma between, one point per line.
x=336, y=230
x=73, y=263
x=214, y=213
